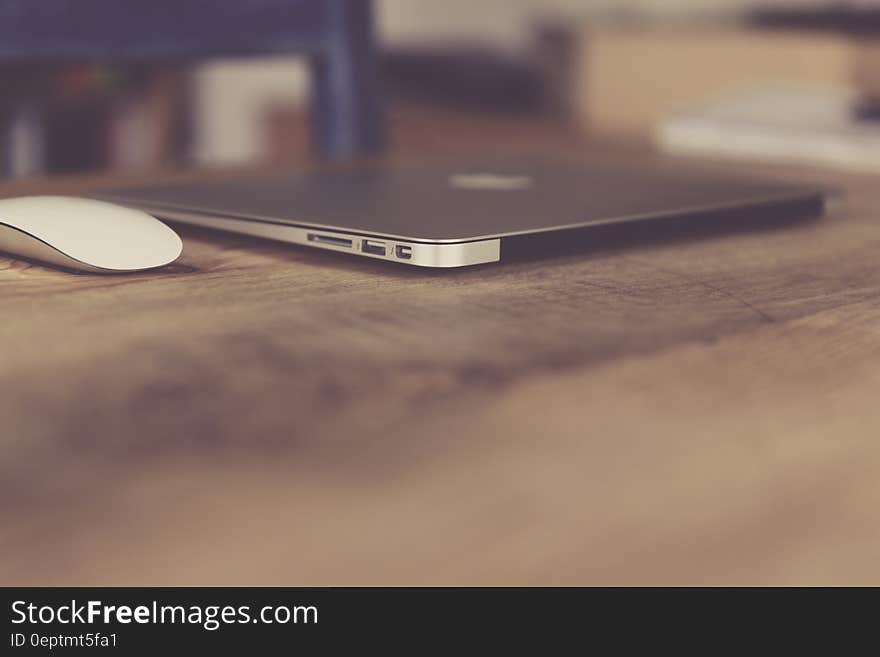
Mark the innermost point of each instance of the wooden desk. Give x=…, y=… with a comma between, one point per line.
x=685, y=413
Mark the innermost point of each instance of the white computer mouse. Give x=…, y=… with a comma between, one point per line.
x=85, y=234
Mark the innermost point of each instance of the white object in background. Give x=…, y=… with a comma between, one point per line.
x=231, y=99
x=84, y=234
x=26, y=142
x=784, y=124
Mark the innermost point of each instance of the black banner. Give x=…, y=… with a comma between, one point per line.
x=147, y=620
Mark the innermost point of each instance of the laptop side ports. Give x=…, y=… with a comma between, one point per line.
x=373, y=247
x=329, y=239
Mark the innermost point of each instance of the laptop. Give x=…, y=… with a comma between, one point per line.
x=457, y=215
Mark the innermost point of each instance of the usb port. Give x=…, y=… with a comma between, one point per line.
x=373, y=247
x=404, y=252
x=327, y=239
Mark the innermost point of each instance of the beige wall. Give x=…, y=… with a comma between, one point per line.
x=505, y=23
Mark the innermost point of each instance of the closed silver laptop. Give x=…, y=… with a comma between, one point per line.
x=463, y=214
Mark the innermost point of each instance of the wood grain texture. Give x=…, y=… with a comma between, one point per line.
x=702, y=411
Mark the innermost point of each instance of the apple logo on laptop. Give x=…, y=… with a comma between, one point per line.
x=499, y=182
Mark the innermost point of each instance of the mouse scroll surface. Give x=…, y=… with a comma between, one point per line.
x=85, y=234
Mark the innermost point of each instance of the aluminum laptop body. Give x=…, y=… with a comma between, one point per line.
x=459, y=215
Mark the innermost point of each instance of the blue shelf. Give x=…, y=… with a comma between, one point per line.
x=337, y=36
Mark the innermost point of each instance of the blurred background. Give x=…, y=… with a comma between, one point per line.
x=90, y=87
